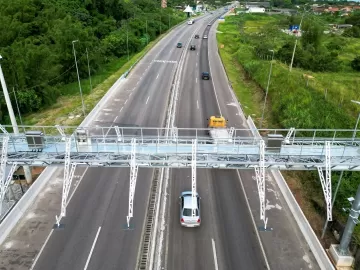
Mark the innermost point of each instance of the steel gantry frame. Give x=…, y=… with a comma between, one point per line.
x=296, y=151
x=133, y=176
x=326, y=181
x=69, y=170
x=5, y=179
x=260, y=180
x=193, y=178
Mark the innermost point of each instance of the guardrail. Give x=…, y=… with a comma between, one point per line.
x=308, y=233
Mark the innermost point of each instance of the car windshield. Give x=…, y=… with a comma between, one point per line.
x=187, y=212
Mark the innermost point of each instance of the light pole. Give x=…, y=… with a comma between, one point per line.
x=147, y=38
x=357, y=121
x=127, y=39
x=77, y=71
x=296, y=41
x=87, y=56
x=27, y=170
x=267, y=88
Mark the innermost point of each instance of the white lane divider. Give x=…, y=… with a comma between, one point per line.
x=197, y=103
x=196, y=80
x=92, y=249
x=157, y=76
x=147, y=100
x=125, y=101
x=121, y=109
x=196, y=63
x=214, y=252
x=115, y=118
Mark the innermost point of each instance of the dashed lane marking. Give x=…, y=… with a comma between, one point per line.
x=165, y=61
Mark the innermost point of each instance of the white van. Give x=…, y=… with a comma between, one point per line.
x=190, y=21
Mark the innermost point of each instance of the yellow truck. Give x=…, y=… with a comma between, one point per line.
x=218, y=130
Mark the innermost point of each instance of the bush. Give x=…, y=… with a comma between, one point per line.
x=355, y=63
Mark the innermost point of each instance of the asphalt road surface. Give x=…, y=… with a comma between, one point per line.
x=226, y=227
x=95, y=235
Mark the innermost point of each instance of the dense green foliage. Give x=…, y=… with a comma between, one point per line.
x=294, y=100
x=36, y=41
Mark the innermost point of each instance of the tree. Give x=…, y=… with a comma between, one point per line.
x=311, y=34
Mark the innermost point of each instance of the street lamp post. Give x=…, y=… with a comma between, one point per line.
x=87, y=56
x=77, y=71
x=127, y=40
x=267, y=88
x=27, y=170
x=357, y=121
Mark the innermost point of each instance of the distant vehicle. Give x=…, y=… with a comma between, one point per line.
x=191, y=21
x=205, y=75
x=218, y=130
x=255, y=10
x=192, y=47
x=197, y=36
x=205, y=37
x=186, y=208
x=209, y=24
x=179, y=45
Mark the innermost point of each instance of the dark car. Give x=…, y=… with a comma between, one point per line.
x=179, y=45
x=192, y=47
x=197, y=36
x=205, y=75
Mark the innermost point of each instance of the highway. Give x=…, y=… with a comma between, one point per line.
x=95, y=235
x=226, y=227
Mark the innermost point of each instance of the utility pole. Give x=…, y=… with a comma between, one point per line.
x=147, y=36
x=350, y=225
x=267, y=88
x=27, y=170
x=357, y=121
x=296, y=41
x=127, y=40
x=87, y=56
x=77, y=71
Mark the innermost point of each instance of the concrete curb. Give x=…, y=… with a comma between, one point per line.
x=308, y=233
x=23, y=204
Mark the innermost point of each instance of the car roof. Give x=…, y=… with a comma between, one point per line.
x=188, y=201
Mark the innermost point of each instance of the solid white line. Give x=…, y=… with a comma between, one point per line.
x=125, y=101
x=92, y=248
x=147, y=99
x=121, y=109
x=196, y=63
x=115, y=118
x=253, y=221
x=197, y=103
x=196, y=80
x=214, y=252
x=157, y=76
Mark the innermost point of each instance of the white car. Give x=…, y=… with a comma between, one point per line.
x=186, y=208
